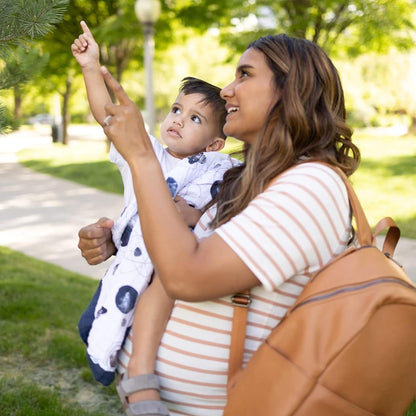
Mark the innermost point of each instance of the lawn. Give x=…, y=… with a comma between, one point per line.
x=84, y=162
x=385, y=181
x=43, y=367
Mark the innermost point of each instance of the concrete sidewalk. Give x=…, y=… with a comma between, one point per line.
x=40, y=215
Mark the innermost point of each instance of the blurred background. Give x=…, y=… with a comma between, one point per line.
x=371, y=41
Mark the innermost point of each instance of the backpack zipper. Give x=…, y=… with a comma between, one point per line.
x=353, y=289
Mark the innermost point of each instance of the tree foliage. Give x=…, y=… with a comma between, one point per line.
x=20, y=23
x=349, y=27
x=115, y=29
x=20, y=66
x=344, y=28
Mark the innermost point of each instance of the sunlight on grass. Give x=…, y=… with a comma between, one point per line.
x=84, y=162
x=386, y=179
x=77, y=151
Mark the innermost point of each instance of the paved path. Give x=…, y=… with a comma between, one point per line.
x=40, y=215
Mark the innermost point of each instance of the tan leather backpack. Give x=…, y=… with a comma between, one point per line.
x=347, y=347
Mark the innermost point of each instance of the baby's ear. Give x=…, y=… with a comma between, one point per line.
x=216, y=145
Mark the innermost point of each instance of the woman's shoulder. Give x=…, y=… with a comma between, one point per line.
x=314, y=169
x=309, y=180
x=308, y=174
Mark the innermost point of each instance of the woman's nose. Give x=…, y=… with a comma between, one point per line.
x=227, y=91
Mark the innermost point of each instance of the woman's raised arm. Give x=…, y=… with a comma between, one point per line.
x=189, y=269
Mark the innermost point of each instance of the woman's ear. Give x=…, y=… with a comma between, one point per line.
x=216, y=145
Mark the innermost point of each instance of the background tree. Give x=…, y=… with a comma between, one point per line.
x=59, y=72
x=20, y=23
x=381, y=92
x=348, y=27
x=344, y=28
x=118, y=33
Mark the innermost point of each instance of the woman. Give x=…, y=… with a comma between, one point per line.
x=276, y=220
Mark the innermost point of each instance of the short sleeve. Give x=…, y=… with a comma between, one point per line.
x=298, y=224
x=117, y=159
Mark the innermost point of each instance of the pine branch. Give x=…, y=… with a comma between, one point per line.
x=38, y=17
x=28, y=19
x=22, y=21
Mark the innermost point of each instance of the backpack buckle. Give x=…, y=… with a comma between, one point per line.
x=241, y=299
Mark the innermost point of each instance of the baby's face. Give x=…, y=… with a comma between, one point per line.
x=190, y=126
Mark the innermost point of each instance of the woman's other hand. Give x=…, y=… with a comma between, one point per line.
x=95, y=241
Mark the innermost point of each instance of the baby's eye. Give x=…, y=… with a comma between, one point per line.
x=176, y=110
x=196, y=119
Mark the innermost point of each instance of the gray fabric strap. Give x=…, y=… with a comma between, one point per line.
x=147, y=408
x=139, y=383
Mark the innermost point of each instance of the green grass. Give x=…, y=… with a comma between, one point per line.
x=84, y=162
x=385, y=181
x=43, y=367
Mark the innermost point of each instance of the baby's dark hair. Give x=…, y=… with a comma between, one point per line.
x=211, y=93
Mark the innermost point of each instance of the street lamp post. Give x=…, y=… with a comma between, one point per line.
x=148, y=11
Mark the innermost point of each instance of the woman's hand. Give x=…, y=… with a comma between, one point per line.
x=95, y=241
x=124, y=124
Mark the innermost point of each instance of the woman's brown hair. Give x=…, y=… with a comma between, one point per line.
x=306, y=123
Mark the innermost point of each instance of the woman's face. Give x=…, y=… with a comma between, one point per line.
x=250, y=97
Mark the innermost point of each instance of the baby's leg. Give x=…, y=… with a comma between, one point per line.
x=150, y=318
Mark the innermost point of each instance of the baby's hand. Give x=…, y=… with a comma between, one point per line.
x=85, y=48
x=189, y=214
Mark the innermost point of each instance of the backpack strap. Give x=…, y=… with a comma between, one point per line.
x=392, y=236
x=241, y=302
x=364, y=233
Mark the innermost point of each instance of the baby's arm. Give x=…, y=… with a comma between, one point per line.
x=86, y=52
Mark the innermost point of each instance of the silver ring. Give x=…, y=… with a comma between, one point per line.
x=107, y=120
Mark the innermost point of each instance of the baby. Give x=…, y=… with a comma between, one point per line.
x=193, y=169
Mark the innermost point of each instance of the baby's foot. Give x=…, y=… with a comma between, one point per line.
x=140, y=395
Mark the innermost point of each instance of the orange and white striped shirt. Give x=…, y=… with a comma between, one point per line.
x=298, y=224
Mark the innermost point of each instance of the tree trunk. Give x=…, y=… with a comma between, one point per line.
x=65, y=113
x=18, y=98
x=412, y=127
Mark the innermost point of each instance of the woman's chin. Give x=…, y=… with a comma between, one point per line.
x=228, y=130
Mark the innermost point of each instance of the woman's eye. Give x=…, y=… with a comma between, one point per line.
x=243, y=74
x=196, y=119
